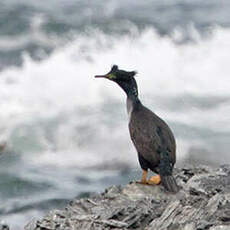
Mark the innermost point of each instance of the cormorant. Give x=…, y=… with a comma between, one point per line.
x=152, y=137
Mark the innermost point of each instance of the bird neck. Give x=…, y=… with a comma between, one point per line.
x=132, y=104
x=134, y=100
x=132, y=94
x=131, y=91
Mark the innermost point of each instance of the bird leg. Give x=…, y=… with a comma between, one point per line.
x=144, y=177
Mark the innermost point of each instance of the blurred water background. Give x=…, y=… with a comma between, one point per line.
x=66, y=132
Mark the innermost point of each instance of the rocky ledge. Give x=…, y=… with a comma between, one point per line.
x=203, y=203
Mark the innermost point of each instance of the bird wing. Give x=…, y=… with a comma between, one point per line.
x=151, y=135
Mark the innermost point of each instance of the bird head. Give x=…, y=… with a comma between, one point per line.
x=118, y=75
x=125, y=79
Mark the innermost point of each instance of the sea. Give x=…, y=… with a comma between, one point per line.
x=63, y=133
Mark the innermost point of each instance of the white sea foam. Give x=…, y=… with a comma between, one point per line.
x=59, y=87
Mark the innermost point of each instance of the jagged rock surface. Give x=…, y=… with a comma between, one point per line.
x=203, y=203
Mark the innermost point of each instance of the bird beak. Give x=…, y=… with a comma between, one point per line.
x=102, y=76
x=109, y=76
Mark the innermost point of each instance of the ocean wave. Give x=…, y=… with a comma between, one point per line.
x=40, y=28
x=56, y=104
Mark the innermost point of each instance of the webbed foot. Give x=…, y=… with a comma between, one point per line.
x=155, y=179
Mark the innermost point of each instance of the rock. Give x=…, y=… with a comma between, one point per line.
x=202, y=203
x=4, y=227
x=220, y=227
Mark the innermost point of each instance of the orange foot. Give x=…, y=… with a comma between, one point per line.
x=154, y=179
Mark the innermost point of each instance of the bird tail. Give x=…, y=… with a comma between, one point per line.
x=169, y=183
x=165, y=171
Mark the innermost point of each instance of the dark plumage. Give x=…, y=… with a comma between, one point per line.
x=152, y=137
